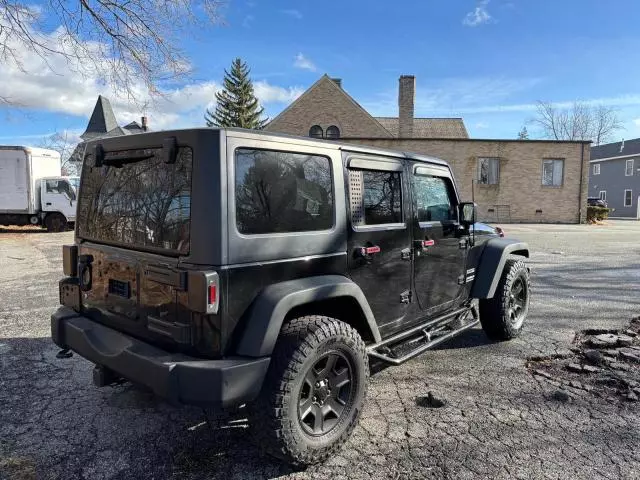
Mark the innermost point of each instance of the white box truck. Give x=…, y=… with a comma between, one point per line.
x=33, y=191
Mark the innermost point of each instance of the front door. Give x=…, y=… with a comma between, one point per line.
x=379, y=246
x=439, y=243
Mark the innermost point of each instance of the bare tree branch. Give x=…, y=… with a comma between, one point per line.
x=128, y=43
x=62, y=143
x=580, y=122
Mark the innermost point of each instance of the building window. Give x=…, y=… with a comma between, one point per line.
x=603, y=195
x=282, y=192
x=628, y=170
x=333, y=132
x=552, y=172
x=488, y=171
x=628, y=199
x=316, y=132
x=596, y=169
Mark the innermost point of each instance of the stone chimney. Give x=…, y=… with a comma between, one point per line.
x=406, y=98
x=143, y=122
x=337, y=81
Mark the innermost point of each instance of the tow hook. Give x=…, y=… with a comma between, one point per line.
x=64, y=353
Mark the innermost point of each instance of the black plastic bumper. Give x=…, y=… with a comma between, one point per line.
x=176, y=377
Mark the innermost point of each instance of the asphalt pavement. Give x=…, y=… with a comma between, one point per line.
x=498, y=419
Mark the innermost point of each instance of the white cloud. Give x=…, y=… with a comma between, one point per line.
x=482, y=126
x=54, y=86
x=247, y=22
x=293, y=13
x=478, y=15
x=304, y=63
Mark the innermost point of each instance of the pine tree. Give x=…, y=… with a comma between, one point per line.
x=237, y=105
x=523, y=134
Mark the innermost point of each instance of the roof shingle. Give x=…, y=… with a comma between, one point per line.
x=428, y=127
x=609, y=150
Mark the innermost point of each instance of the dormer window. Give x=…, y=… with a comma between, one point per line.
x=316, y=132
x=333, y=133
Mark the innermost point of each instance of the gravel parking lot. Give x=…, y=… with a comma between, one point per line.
x=499, y=420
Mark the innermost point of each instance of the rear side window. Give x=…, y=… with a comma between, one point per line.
x=278, y=192
x=376, y=197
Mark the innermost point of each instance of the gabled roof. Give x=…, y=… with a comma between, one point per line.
x=102, y=119
x=428, y=127
x=133, y=127
x=611, y=150
x=338, y=89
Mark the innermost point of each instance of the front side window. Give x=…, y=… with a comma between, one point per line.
x=434, y=202
x=60, y=187
x=552, y=172
x=488, y=171
x=628, y=170
x=628, y=198
x=376, y=197
x=596, y=169
x=278, y=192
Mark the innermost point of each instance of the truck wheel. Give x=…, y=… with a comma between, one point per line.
x=314, y=390
x=55, y=222
x=503, y=316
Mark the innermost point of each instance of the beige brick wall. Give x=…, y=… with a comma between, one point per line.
x=520, y=185
x=326, y=104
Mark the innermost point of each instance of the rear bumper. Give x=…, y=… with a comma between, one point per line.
x=175, y=377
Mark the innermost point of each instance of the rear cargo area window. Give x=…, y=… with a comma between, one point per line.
x=138, y=203
x=376, y=197
x=280, y=192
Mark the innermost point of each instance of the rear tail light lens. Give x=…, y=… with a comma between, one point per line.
x=204, y=292
x=70, y=260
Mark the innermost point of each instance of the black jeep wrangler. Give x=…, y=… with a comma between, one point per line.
x=223, y=267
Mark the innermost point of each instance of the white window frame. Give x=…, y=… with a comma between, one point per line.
x=553, y=184
x=596, y=169
x=626, y=168
x=490, y=160
x=601, y=196
x=630, y=197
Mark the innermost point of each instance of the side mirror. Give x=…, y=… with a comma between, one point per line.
x=467, y=213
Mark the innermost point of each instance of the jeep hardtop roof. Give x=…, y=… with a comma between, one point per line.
x=278, y=137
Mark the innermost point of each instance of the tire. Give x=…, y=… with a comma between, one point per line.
x=301, y=383
x=502, y=317
x=55, y=222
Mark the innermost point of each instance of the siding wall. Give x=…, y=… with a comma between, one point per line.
x=612, y=179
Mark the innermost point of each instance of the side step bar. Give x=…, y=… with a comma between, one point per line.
x=372, y=350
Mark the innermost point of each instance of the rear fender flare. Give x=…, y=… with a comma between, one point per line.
x=263, y=320
x=494, y=255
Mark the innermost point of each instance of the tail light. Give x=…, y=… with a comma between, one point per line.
x=500, y=232
x=204, y=292
x=70, y=260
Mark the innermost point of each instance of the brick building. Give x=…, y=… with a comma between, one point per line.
x=513, y=180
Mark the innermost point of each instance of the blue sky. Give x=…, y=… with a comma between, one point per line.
x=487, y=61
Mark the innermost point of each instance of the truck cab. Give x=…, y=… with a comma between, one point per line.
x=59, y=195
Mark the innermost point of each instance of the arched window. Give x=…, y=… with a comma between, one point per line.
x=316, y=132
x=333, y=132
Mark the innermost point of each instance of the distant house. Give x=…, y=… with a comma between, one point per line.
x=614, y=176
x=102, y=123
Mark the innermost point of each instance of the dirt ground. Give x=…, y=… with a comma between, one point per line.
x=509, y=410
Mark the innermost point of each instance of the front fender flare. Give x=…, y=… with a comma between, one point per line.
x=263, y=320
x=494, y=255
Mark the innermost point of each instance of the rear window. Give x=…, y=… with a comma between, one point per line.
x=282, y=192
x=146, y=203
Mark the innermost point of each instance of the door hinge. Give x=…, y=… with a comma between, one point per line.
x=405, y=297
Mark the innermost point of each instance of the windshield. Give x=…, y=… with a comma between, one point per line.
x=139, y=204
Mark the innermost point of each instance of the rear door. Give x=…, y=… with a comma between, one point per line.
x=379, y=244
x=134, y=224
x=440, y=244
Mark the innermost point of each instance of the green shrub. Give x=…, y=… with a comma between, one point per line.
x=597, y=214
